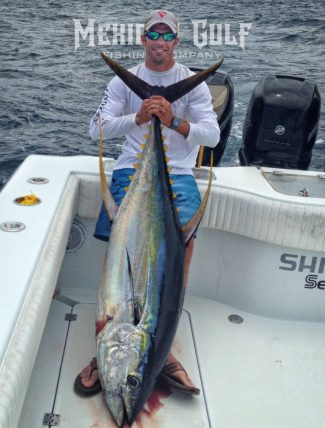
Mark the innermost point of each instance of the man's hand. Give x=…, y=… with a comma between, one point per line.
x=144, y=115
x=160, y=107
x=155, y=105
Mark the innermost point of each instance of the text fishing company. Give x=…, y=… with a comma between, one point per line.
x=205, y=34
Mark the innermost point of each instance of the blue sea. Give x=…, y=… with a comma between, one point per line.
x=52, y=78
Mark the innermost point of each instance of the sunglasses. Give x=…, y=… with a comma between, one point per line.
x=154, y=35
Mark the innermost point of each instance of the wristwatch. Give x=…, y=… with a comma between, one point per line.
x=175, y=123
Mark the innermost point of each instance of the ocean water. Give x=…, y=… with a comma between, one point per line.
x=50, y=87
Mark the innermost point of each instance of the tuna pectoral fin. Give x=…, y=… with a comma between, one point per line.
x=110, y=205
x=171, y=93
x=135, y=315
x=190, y=227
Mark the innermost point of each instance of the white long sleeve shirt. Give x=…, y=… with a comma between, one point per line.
x=120, y=105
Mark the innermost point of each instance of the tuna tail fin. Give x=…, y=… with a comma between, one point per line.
x=190, y=228
x=138, y=86
x=177, y=90
x=171, y=93
x=110, y=205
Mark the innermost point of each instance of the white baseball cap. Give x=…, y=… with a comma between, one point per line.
x=161, y=17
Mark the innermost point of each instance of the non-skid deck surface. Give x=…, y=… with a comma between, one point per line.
x=262, y=373
x=164, y=408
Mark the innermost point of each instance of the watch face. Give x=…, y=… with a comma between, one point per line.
x=176, y=123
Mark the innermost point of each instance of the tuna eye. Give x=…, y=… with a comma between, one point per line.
x=133, y=382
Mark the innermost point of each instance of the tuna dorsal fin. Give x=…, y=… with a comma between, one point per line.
x=191, y=226
x=171, y=92
x=110, y=205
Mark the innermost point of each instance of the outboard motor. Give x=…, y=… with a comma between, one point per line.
x=222, y=92
x=281, y=123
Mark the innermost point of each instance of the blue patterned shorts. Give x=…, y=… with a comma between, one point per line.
x=187, y=199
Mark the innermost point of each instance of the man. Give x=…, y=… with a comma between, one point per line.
x=187, y=123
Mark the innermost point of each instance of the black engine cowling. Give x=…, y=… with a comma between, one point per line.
x=281, y=123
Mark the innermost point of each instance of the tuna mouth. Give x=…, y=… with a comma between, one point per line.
x=127, y=418
x=128, y=415
x=124, y=414
x=118, y=409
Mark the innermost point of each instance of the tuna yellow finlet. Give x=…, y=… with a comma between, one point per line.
x=167, y=159
x=163, y=137
x=165, y=148
x=139, y=155
x=171, y=181
x=126, y=188
x=135, y=165
x=169, y=169
x=174, y=195
x=131, y=177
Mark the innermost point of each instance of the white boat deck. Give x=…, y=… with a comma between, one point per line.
x=261, y=373
x=164, y=408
